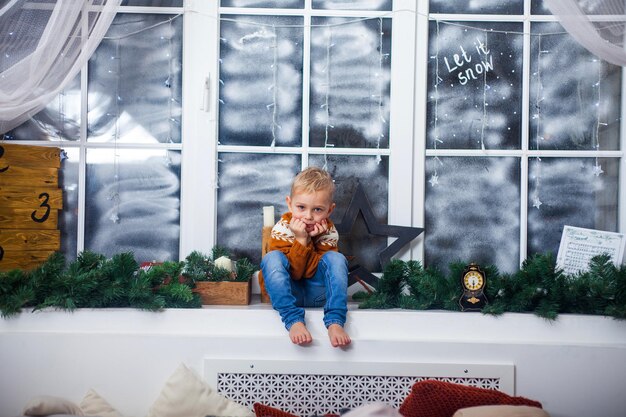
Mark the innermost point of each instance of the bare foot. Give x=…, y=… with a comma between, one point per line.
x=299, y=334
x=338, y=336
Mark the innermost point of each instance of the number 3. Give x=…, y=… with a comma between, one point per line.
x=45, y=204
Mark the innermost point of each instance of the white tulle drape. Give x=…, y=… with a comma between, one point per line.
x=43, y=46
x=602, y=35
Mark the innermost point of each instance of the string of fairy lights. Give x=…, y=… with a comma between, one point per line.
x=537, y=115
x=173, y=121
x=382, y=56
x=114, y=195
x=597, y=168
x=326, y=104
x=378, y=96
x=274, y=86
x=539, y=97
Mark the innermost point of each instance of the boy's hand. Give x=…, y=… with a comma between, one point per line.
x=319, y=228
x=298, y=227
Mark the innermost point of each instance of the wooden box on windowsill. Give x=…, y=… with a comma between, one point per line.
x=224, y=292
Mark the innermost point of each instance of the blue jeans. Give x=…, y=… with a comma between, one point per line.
x=328, y=288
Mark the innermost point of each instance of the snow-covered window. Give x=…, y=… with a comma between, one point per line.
x=481, y=121
x=522, y=134
x=306, y=83
x=119, y=124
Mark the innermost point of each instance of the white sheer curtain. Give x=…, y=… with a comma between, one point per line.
x=43, y=45
x=602, y=36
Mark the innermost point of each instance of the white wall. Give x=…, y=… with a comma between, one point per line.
x=575, y=366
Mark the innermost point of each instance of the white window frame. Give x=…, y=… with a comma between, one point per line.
x=200, y=148
x=524, y=153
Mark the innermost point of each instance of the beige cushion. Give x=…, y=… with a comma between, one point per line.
x=94, y=405
x=185, y=394
x=501, y=411
x=45, y=405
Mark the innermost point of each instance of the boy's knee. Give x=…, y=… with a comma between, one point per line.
x=335, y=257
x=272, y=257
x=273, y=261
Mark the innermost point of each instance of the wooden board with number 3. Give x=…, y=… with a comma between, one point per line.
x=30, y=200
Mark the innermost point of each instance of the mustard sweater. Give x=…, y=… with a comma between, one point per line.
x=303, y=260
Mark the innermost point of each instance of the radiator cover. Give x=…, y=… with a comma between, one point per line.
x=307, y=388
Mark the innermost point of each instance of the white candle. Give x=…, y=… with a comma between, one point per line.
x=268, y=216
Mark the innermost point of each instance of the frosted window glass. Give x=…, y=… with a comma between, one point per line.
x=352, y=4
x=575, y=100
x=474, y=86
x=539, y=7
x=261, y=81
x=133, y=203
x=283, y=4
x=472, y=211
x=58, y=121
x=135, y=80
x=348, y=172
x=68, y=217
x=588, y=7
x=153, y=3
x=350, y=81
x=570, y=194
x=478, y=7
x=247, y=183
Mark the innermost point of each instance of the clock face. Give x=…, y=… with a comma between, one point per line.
x=473, y=281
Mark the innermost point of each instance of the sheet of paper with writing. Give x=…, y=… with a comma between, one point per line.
x=579, y=245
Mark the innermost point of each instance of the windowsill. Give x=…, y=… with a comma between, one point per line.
x=259, y=320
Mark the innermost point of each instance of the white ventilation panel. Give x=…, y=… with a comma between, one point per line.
x=306, y=388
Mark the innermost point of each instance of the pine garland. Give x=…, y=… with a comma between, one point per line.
x=93, y=281
x=200, y=267
x=538, y=287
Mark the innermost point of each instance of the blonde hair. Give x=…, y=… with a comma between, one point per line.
x=313, y=179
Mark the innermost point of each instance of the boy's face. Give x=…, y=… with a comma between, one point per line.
x=311, y=208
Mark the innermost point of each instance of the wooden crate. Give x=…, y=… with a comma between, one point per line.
x=224, y=292
x=30, y=200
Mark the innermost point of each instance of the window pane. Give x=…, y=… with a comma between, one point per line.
x=133, y=106
x=133, y=202
x=570, y=194
x=539, y=7
x=350, y=79
x=352, y=4
x=472, y=211
x=261, y=77
x=476, y=102
x=58, y=121
x=575, y=99
x=589, y=7
x=272, y=4
x=68, y=219
x=153, y=3
x=348, y=172
x=478, y=7
x=247, y=182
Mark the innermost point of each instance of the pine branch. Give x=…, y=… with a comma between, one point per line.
x=244, y=269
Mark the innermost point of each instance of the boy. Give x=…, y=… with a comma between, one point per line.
x=303, y=267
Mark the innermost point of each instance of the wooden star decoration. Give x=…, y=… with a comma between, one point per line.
x=404, y=235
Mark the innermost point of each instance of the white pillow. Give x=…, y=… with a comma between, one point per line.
x=185, y=394
x=374, y=409
x=45, y=405
x=94, y=405
x=501, y=411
